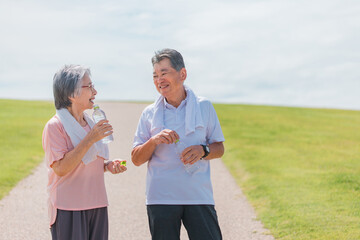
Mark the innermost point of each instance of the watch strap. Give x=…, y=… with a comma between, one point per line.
x=205, y=151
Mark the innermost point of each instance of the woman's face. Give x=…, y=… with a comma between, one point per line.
x=87, y=94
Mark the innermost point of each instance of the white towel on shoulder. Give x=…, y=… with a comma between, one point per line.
x=76, y=133
x=193, y=118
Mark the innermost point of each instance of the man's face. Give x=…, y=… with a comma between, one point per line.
x=167, y=80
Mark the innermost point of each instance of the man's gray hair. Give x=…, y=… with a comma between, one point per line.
x=176, y=60
x=66, y=84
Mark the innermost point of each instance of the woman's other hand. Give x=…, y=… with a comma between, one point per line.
x=115, y=166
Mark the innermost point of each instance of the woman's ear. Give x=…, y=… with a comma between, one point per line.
x=72, y=99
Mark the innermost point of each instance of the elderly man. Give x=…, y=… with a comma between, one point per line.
x=178, y=186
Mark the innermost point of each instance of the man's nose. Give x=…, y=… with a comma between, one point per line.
x=159, y=79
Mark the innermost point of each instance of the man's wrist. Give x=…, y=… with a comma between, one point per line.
x=206, y=150
x=153, y=141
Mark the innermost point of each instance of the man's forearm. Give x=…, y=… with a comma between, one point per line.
x=142, y=153
x=216, y=150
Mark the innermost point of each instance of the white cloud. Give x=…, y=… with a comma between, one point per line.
x=268, y=52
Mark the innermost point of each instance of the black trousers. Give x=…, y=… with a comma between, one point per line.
x=200, y=221
x=89, y=224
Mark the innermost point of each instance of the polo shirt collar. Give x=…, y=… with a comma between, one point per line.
x=181, y=106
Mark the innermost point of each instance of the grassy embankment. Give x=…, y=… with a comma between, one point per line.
x=300, y=168
x=21, y=123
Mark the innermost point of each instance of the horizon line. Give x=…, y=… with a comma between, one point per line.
x=213, y=102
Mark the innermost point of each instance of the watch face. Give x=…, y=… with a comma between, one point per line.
x=207, y=148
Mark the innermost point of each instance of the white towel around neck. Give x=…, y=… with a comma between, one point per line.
x=193, y=118
x=76, y=133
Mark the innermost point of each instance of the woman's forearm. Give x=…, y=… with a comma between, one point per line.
x=72, y=158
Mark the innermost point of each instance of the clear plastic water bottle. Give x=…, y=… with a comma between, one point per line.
x=190, y=169
x=99, y=115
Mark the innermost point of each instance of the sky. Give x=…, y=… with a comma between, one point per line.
x=274, y=52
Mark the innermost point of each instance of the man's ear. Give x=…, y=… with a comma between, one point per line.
x=183, y=74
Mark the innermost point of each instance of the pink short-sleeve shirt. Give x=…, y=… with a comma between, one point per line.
x=81, y=189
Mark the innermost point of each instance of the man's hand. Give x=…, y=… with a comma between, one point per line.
x=142, y=153
x=166, y=136
x=192, y=154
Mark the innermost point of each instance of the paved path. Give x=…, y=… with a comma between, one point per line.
x=23, y=213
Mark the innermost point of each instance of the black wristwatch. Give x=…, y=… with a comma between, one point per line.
x=206, y=150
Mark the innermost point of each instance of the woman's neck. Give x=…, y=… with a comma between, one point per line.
x=77, y=114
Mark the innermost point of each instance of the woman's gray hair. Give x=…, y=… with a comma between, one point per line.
x=66, y=84
x=176, y=60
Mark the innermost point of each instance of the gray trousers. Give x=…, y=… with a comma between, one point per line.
x=89, y=224
x=200, y=222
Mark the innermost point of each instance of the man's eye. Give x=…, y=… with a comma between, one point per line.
x=163, y=74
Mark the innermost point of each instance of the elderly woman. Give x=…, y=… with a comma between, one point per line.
x=75, y=158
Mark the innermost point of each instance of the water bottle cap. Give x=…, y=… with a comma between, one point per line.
x=177, y=140
x=96, y=107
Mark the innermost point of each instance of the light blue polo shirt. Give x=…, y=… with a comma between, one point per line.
x=167, y=182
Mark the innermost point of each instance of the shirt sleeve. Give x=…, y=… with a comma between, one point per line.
x=142, y=133
x=54, y=142
x=214, y=132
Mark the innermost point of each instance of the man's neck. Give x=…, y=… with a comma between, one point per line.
x=176, y=100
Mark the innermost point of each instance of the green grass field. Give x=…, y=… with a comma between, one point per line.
x=300, y=168
x=21, y=150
